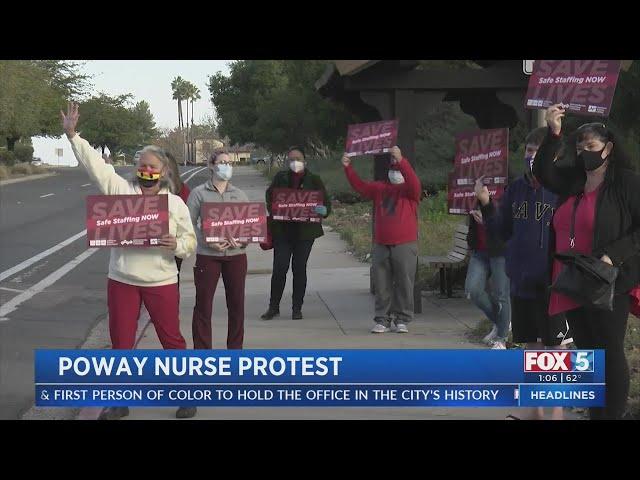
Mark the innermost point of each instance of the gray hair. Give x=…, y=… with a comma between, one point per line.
x=167, y=180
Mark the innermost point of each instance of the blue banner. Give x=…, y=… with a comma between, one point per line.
x=408, y=378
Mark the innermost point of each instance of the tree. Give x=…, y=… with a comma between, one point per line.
x=194, y=94
x=274, y=104
x=32, y=93
x=109, y=122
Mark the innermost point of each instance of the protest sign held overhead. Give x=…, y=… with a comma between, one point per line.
x=582, y=86
x=371, y=138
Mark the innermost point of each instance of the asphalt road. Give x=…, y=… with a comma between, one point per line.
x=48, y=299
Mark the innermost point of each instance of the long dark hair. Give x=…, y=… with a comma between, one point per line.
x=618, y=158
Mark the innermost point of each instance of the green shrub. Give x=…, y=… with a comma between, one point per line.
x=4, y=172
x=23, y=153
x=7, y=158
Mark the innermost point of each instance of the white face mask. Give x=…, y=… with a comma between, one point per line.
x=223, y=171
x=395, y=177
x=296, y=166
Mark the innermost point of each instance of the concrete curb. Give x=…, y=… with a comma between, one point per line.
x=26, y=178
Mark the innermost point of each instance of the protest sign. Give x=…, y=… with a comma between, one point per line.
x=243, y=221
x=126, y=220
x=289, y=204
x=371, y=138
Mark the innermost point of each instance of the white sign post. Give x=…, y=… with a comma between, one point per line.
x=59, y=152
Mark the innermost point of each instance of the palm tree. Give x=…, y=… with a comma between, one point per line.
x=179, y=87
x=194, y=94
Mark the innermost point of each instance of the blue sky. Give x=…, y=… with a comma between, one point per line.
x=148, y=80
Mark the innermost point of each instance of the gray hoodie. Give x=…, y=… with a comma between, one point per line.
x=208, y=193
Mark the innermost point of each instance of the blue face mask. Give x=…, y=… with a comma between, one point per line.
x=223, y=171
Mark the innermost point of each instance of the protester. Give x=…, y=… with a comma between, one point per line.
x=523, y=219
x=293, y=241
x=487, y=260
x=140, y=275
x=395, y=248
x=179, y=188
x=227, y=258
x=600, y=195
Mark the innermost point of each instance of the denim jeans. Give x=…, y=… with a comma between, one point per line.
x=497, y=306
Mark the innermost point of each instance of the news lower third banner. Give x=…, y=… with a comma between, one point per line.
x=319, y=378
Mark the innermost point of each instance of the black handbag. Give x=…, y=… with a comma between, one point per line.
x=585, y=279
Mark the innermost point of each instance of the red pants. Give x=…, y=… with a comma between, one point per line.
x=124, y=303
x=206, y=274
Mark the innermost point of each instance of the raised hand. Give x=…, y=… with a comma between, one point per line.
x=554, y=117
x=396, y=154
x=70, y=120
x=481, y=190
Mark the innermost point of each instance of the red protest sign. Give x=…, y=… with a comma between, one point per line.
x=461, y=197
x=582, y=86
x=371, y=138
x=243, y=221
x=126, y=220
x=482, y=152
x=293, y=205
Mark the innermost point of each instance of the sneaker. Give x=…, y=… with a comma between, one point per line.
x=498, y=345
x=114, y=413
x=380, y=328
x=270, y=313
x=401, y=328
x=186, y=412
x=491, y=335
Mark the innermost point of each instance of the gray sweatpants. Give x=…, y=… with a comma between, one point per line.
x=394, y=272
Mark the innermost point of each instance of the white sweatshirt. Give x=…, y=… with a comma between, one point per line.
x=144, y=267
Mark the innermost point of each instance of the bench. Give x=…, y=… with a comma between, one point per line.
x=456, y=258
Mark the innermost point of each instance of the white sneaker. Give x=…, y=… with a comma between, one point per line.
x=491, y=335
x=380, y=328
x=401, y=328
x=498, y=345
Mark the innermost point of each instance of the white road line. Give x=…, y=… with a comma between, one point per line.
x=85, y=185
x=47, y=195
x=50, y=279
x=30, y=261
x=11, y=289
x=193, y=174
x=184, y=173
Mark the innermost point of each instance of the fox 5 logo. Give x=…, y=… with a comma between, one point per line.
x=558, y=361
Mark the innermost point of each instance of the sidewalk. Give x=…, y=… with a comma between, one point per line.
x=338, y=312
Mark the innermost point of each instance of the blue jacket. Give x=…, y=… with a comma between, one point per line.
x=523, y=219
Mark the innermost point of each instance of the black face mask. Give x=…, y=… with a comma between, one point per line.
x=591, y=160
x=147, y=183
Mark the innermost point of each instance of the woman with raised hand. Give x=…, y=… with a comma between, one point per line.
x=140, y=275
x=598, y=214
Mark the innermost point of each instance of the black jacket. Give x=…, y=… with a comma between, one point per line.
x=617, y=217
x=495, y=244
x=296, y=230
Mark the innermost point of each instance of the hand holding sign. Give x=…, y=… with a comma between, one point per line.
x=168, y=242
x=396, y=155
x=554, y=116
x=482, y=192
x=218, y=246
x=346, y=161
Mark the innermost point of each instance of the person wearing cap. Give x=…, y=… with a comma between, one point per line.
x=293, y=241
x=140, y=275
x=395, y=249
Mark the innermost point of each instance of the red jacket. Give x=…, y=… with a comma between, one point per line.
x=396, y=206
